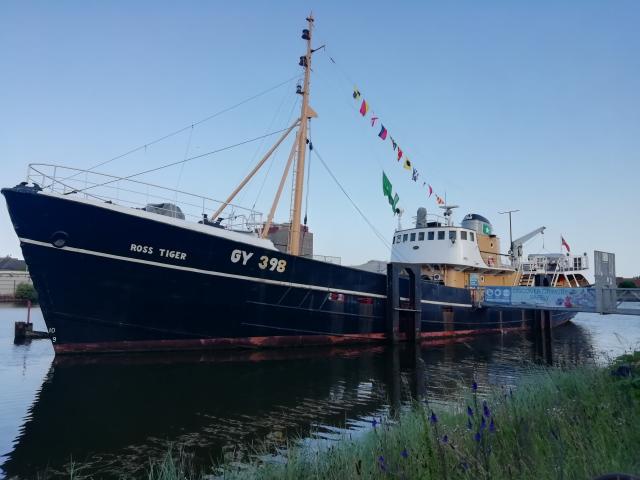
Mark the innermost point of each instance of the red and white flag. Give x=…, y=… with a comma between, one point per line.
x=565, y=244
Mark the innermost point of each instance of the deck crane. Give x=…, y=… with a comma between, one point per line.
x=515, y=252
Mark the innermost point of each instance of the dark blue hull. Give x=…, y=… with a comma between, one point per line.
x=111, y=279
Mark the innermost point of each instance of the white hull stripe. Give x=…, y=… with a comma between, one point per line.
x=230, y=275
x=204, y=272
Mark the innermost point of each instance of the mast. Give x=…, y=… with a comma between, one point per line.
x=305, y=114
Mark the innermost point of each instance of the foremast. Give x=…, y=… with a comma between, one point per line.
x=305, y=115
x=298, y=152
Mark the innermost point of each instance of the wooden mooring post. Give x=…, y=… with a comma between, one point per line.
x=24, y=330
x=404, y=306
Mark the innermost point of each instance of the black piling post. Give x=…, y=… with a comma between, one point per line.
x=414, y=329
x=393, y=303
x=394, y=380
x=542, y=328
x=410, y=308
x=548, y=336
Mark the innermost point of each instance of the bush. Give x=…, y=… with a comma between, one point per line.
x=25, y=291
x=627, y=284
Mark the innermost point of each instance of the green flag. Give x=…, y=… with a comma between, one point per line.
x=387, y=190
x=394, y=202
x=386, y=186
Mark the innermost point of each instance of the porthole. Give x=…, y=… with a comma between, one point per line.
x=59, y=239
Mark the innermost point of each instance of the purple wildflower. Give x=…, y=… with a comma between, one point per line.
x=477, y=437
x=374, y=422
x=382, y=464
x=433, y=418
x=469, y=411
x=474, y=386
x=483, y=424
x=404, y=453
x=485, y=409
x=492, y=426
x=445, y=439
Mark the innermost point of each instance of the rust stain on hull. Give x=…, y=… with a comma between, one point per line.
x=432, y=338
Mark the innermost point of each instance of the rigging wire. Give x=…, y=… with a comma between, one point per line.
x=259, y=147
x=206, y=119
x=186, y=152
x=353, y=203
x=212, y=152
x=271, y=160
x=306, y=200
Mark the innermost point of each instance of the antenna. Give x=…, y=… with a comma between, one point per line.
x=448, y=210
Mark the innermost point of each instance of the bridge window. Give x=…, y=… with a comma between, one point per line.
x=421, y=237
x=452, y=234
x=413, y=237
x=430, y=235
x=404, y=237
x=441, y=235
x=471, y=235
x=463, y=235
x=398, y=238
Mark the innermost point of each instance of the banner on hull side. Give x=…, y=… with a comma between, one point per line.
x=556, y=298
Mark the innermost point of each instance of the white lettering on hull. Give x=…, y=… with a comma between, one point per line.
x=273, y=263
x=162, y=252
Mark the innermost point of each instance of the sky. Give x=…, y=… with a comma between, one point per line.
x=529, y=105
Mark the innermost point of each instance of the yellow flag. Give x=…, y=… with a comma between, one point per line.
x=407, y=164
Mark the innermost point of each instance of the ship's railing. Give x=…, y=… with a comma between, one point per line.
x=433, y=218
x=140, y=195
x=327, y=259
x=564, y=264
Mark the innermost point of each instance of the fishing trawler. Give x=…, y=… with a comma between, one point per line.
x=124, y=265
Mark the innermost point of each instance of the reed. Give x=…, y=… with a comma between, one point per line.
x=559, y=424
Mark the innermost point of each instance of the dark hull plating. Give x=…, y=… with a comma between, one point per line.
x=97, y=294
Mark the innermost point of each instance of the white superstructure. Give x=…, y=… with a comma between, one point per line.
x=469, y=254
x=436, y=241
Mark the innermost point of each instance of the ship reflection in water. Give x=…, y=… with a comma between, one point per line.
x=114, y=413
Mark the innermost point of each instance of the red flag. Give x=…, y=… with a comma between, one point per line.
x=439, y=200
x=399, y=153
x=364, y=108
x=383, y=132
x=430, y=191
x=565, y=244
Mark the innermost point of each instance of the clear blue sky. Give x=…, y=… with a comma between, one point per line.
x=530, y=105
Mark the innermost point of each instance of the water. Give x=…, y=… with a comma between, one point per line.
x=114, y=413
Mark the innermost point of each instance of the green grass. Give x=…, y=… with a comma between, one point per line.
x=573, y=425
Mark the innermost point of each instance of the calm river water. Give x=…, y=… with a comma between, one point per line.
x=114, y=413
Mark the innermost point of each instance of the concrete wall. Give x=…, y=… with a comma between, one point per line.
x=9, y=280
